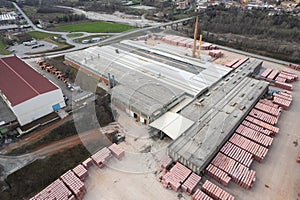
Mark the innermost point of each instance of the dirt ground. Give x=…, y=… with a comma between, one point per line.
x=109, y=184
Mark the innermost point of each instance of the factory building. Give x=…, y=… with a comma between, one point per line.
x=27, y=93
x=216, y=115
x=148, y=82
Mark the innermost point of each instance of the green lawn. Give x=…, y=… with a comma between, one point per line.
x=96, y=27
x=41, y=35
x=3, y=51
x=72, y=35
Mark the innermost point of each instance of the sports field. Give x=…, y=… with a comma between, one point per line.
x=96, y=27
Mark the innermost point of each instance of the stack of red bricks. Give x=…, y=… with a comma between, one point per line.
x=87, y=163
x=293, y=66
x=216, y=192
x=117, y=151
x=259, y=152
x=191, y=183
x=230, y=64
x=101, y=157
x=176, y=176
x=272, y=75
x=215, y=53
x=81, y=172
x=283, y=99
x=255, y=136
x=265, y=125
x=288, y=75
x=257, y=128
x=266, y=73
x=237, y=153
x=208, y=46
x=74, y=183
x=239, y=173
x=283, y=85
x=218, y=175
x=199, y=195
x=268, y=109
x=270, y=119
x=239, y=63
x=165, y=162
x=56, y=190
x=269, y=102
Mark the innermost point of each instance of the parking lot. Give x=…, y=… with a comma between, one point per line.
x=22, y=50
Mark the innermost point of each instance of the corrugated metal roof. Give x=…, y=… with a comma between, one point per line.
x=172, y=124
x=19, y=82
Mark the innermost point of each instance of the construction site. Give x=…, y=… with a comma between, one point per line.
x=196, y=122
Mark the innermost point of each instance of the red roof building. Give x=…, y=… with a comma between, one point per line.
x=19, y=82
x=26, y=92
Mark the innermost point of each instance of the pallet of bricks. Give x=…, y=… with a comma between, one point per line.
x=74, y=184
x=175, y=177
x=255, y=136
x=284, y=79
x=165, y=162
x=218, y=174
x=272, y=75
x=87, y=163
x=231, y=63
x=101, y=157
x=294, y=66
x=81, y=172
x=270, y=119
x=199, y=195
x=215, y=192
x=287, y=76
x=283, y=99
x=190, y=183
x=117, y=151
x=56, y=190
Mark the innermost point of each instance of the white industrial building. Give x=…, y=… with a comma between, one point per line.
x=27, y=93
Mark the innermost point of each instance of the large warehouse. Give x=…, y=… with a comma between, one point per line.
x=27, y=93
x=147, y=81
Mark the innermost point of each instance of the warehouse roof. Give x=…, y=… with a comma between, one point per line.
x=172, y=124
x=217, y=114
x=19, y=82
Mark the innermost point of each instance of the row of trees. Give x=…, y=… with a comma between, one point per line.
x=275, y=35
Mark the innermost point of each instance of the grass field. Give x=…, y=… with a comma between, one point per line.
x=32, y=178
x=3, y=51
x=96, y=27
x=41, y=35
x=72, y=35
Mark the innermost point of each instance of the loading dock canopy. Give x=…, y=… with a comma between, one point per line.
x=172, y=124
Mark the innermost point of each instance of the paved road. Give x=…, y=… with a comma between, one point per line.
x=10, y=164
